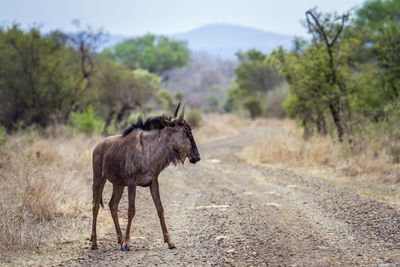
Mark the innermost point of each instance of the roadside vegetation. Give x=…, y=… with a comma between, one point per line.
x=45, y=187
x=343, y=92
x=369, y=171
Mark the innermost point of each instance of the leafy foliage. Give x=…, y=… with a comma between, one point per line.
x=36, y=79
x=253, y=104
x=168, y=101
x=46, y=78
x=122, y=90
x=85, y=122
x=157, y=54
x=347, y=77
x=387, y=49
x=3, y=137
x=193, y=117
x=255, y=76
x=212, y=102
x=374, y=13
x=256, y=73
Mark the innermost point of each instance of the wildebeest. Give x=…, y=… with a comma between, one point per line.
x=136, y=158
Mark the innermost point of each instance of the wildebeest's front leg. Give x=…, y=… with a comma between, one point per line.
x=155, y=194
x=116, y=197
x=131, y=214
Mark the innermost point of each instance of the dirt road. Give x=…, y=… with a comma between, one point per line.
x=224, y=211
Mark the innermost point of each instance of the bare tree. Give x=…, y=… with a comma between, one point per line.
x=326, y=31
x=86, y=40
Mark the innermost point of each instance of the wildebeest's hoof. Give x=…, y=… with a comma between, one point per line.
x=125, y=249
x=95, y=247
x=173, y=247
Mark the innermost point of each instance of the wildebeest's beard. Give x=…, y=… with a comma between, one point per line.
x=174, y=156
x=178, y=153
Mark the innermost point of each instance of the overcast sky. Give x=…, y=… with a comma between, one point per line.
x=135, y=17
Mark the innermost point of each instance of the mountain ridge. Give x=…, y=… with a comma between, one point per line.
x=225, y=40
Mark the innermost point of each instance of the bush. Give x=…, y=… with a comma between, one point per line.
x=85, y=122
x=45, y=183
x=253, y=105
x=275, y=99
x=193, y=117
x=212, y=102
x=3, y=138
x=233, y=98
x=30, y=134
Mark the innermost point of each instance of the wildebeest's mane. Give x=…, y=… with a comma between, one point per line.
x=152, y=123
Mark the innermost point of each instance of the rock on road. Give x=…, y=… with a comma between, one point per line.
x=225, y=211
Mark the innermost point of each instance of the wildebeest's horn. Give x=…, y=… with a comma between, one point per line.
x=176, y=111
x=180, y=119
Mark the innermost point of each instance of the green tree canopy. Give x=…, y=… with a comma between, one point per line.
x=255, y=76
x=387, y=50
x=157, y=54
x=256, y=73
x=122, y=90
x=36, y=80
x=374, y=13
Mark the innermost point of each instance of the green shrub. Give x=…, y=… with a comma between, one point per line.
x=395, y=153
x=212, y=102
x=3, y=137
x=29, y=134
x=85, y=122
x=234, y=97
x=253, y=105
x=275, y=99
x=193, y=117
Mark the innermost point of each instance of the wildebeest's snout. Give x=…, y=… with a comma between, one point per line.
x=194, y=157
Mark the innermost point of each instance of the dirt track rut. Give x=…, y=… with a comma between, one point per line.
x=225, y=211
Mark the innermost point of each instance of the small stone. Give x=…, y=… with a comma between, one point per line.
x=221, y=237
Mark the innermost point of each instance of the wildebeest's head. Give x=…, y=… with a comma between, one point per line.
x=183, y=140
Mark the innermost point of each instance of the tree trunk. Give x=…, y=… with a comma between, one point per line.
x=108, y=121
x=307, y=124
x=338, y=122
x=122, y=112
x=321, y=124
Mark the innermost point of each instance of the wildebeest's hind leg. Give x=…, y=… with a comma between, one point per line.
x=98, y=186
x=131, y=214
x=155, y=194
x=116, y=197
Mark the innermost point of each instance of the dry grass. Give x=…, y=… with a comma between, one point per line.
x=367, y=167
x=45, y=183
x=218, y=126
x=289, y=149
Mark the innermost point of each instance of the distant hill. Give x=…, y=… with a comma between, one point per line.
x=224, y=40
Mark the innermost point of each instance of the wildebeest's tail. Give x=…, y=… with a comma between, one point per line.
x=98, y=178
x=101, y=198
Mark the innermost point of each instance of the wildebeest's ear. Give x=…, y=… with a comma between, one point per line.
x=176, y=111
x=180, y=118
